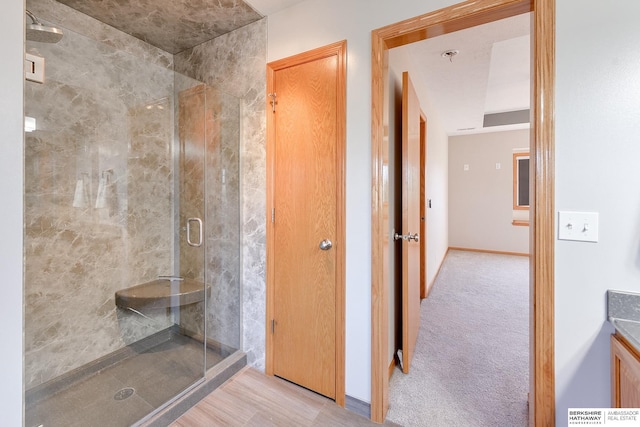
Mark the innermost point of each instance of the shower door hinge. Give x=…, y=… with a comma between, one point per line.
x=273, y=215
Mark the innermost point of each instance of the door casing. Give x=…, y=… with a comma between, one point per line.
x=541, y=240
x=339, y=50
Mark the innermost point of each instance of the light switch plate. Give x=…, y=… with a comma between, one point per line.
x=579, y=226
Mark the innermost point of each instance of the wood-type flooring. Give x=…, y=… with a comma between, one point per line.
x=251, y=398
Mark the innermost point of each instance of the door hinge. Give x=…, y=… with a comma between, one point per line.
x=273, y=101
x=273, y=326
x=273, y=215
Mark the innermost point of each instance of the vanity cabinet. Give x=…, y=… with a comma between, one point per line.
x=625, y=374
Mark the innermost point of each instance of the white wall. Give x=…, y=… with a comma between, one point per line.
x=436, y=180
x=597, y=152
x=312, y=24
x=11, y=140
x=481, y=198
x=437, y=190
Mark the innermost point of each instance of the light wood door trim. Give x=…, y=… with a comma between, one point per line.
x=541, y=229
x=453, y=18
x=339, y=50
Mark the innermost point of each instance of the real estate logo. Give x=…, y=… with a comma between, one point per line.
x=604, y=416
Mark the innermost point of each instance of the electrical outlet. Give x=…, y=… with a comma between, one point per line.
x=579, y=226
x=34, y=68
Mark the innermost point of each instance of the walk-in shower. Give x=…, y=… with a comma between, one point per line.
x=132, y=256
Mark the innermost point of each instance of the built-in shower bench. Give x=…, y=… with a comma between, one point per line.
x=164, y=292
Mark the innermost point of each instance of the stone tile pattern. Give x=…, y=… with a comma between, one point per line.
x=56, y=14
x=235, y=64
x=223, y=216
x=209, y=145
x=170, y=25
x=93, y=117
x=191, y=134
x=623, y=305
x=93, y=120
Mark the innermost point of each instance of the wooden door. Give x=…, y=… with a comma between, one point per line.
x=410, y=220
x=306, y=242
x=424, y=204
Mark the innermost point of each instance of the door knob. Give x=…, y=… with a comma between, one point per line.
x=326, y=244
x=408, y=237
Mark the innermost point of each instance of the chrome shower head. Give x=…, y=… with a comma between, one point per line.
x=38, y=32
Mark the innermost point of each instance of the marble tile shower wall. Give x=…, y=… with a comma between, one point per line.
x=98, y=191
x=235, y=63
x=221, y=209
x=223, y=215
x=101, y=81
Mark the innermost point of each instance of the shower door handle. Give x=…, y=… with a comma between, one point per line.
x=199, y=222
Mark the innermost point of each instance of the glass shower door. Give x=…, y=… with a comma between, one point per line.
x=115, y=294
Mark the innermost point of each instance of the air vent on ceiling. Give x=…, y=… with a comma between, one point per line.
x=506, y=118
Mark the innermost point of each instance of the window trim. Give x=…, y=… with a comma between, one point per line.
x=519, y=155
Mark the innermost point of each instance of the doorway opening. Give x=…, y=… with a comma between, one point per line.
x=454, y=18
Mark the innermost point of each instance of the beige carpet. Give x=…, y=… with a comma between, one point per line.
x=471, y=362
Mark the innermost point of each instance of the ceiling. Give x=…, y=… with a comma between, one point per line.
x=171, y=25
x=174, y=26
x=267, y=7
x=490, y=74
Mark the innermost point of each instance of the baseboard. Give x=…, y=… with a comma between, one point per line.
x=358, y=406
x=223, y=349
x=488, y=251
x=453, y=248
x=430, y=286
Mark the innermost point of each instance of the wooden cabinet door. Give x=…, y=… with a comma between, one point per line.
x=625, y=375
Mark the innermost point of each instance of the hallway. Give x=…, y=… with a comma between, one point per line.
x=472, y=355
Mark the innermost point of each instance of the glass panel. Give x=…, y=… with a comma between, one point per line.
x=223, y=215
x=220, y=211
x=131, y=234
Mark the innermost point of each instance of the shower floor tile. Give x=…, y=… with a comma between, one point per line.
x=156, y=375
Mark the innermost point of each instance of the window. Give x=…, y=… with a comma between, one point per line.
x=521, y=181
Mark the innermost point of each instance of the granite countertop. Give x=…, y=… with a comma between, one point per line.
x=623, y=311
